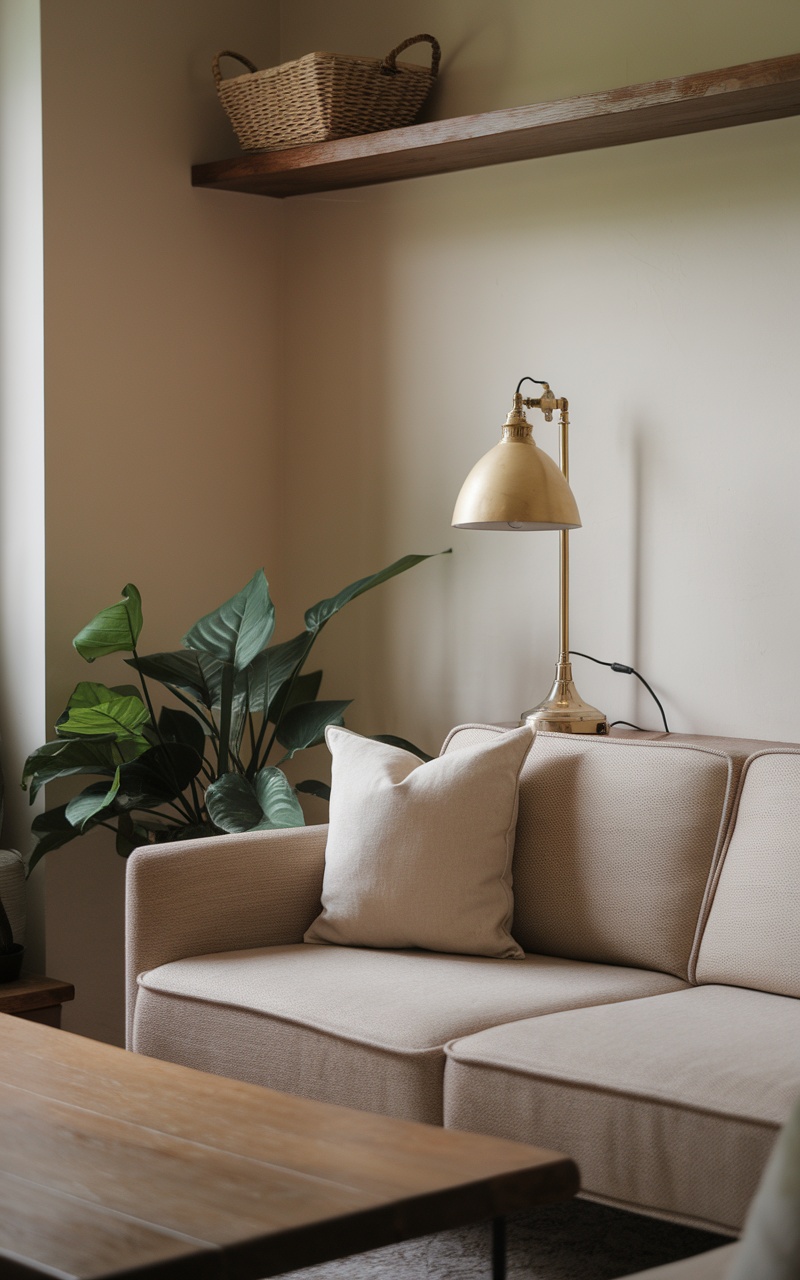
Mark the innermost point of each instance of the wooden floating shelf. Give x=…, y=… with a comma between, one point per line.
x=745, y=94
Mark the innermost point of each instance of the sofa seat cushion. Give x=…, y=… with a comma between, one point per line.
x=362, y=1028
x=669, y=1104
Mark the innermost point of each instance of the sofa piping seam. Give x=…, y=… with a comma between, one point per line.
x=630, y=1095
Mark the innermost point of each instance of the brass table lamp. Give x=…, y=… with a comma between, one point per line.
x=515, y=486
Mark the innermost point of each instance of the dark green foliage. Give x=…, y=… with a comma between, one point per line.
x=201, y=769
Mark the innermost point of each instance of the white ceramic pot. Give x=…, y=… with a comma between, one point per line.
x=12, y=891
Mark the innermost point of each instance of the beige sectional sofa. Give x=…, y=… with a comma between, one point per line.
x=652, y=1030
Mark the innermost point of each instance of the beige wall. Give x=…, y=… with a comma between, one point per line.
x=654, y=285
x=234, y=381
x=160, y=345
x=22, y=665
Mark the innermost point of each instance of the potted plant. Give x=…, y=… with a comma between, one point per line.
x=205, y=767
x=11, y=952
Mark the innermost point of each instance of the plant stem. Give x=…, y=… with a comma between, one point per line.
x=226, y=710
x=193, y=707
x=163, y=817
x=298, y=668
x=197, y=806
x=187, y=810
x=146, y=693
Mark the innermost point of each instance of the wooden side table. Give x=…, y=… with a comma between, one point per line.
x=36, y=998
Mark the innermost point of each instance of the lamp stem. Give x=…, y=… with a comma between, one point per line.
x=564, y=543
x=563, y=710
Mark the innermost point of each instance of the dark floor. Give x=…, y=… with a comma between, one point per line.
x=576, y=1241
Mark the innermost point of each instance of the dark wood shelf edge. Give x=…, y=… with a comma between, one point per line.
x=745, y=94
x=33, y=991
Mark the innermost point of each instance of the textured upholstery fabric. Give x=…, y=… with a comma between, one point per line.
x=185, y=899
x=671, y=1103
x=713, y=1265
x=752, y=936
x=615, y=841
x=357, y=1027
x=419, y=855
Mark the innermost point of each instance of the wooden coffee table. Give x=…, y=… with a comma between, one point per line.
x=111, y=1163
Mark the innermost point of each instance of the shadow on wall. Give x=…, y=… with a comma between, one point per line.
x=411, y=312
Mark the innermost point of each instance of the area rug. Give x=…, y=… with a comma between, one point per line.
x=577, y=1241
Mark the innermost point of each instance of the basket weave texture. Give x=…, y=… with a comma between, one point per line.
x=323, y=96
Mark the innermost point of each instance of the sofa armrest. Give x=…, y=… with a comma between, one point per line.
x=226, y=893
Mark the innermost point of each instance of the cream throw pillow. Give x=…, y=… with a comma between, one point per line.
x=419, y=855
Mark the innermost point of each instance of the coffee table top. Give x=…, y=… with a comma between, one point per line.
x=111, y=1161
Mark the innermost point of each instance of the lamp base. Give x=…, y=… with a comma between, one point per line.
x=563, y=710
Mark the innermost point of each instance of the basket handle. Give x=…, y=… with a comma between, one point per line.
x=228, y=53
x=389, y=64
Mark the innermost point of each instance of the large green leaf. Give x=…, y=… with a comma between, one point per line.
x=113, y=630
x=68, y=756
x=234, y=804
x=240, y=628
x=201, y=677
x=91, y=803
x=324, y=610
x=228, y=698
x=51, y=830
x=279, y=804
x=272, y=668
x=403, y=743
x=304, y=726
x=180, y=726
x=313, y=787
x=291, y=693
x=89, y=693
x=121, y=717
x=216, y=673
x=180, y=670
x=186, y=671
x=158, y=776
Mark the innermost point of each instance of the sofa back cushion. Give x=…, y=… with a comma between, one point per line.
x=752, y=935
x=615, y=842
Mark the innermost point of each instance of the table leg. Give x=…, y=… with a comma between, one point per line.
x=499, y=1249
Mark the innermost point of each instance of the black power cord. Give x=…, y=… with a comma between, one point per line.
x=538, y=382
x=626, y=671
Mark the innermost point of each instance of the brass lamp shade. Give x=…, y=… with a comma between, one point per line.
x=516, y=485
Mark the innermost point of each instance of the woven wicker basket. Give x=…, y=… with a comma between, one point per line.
x=323, y=96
